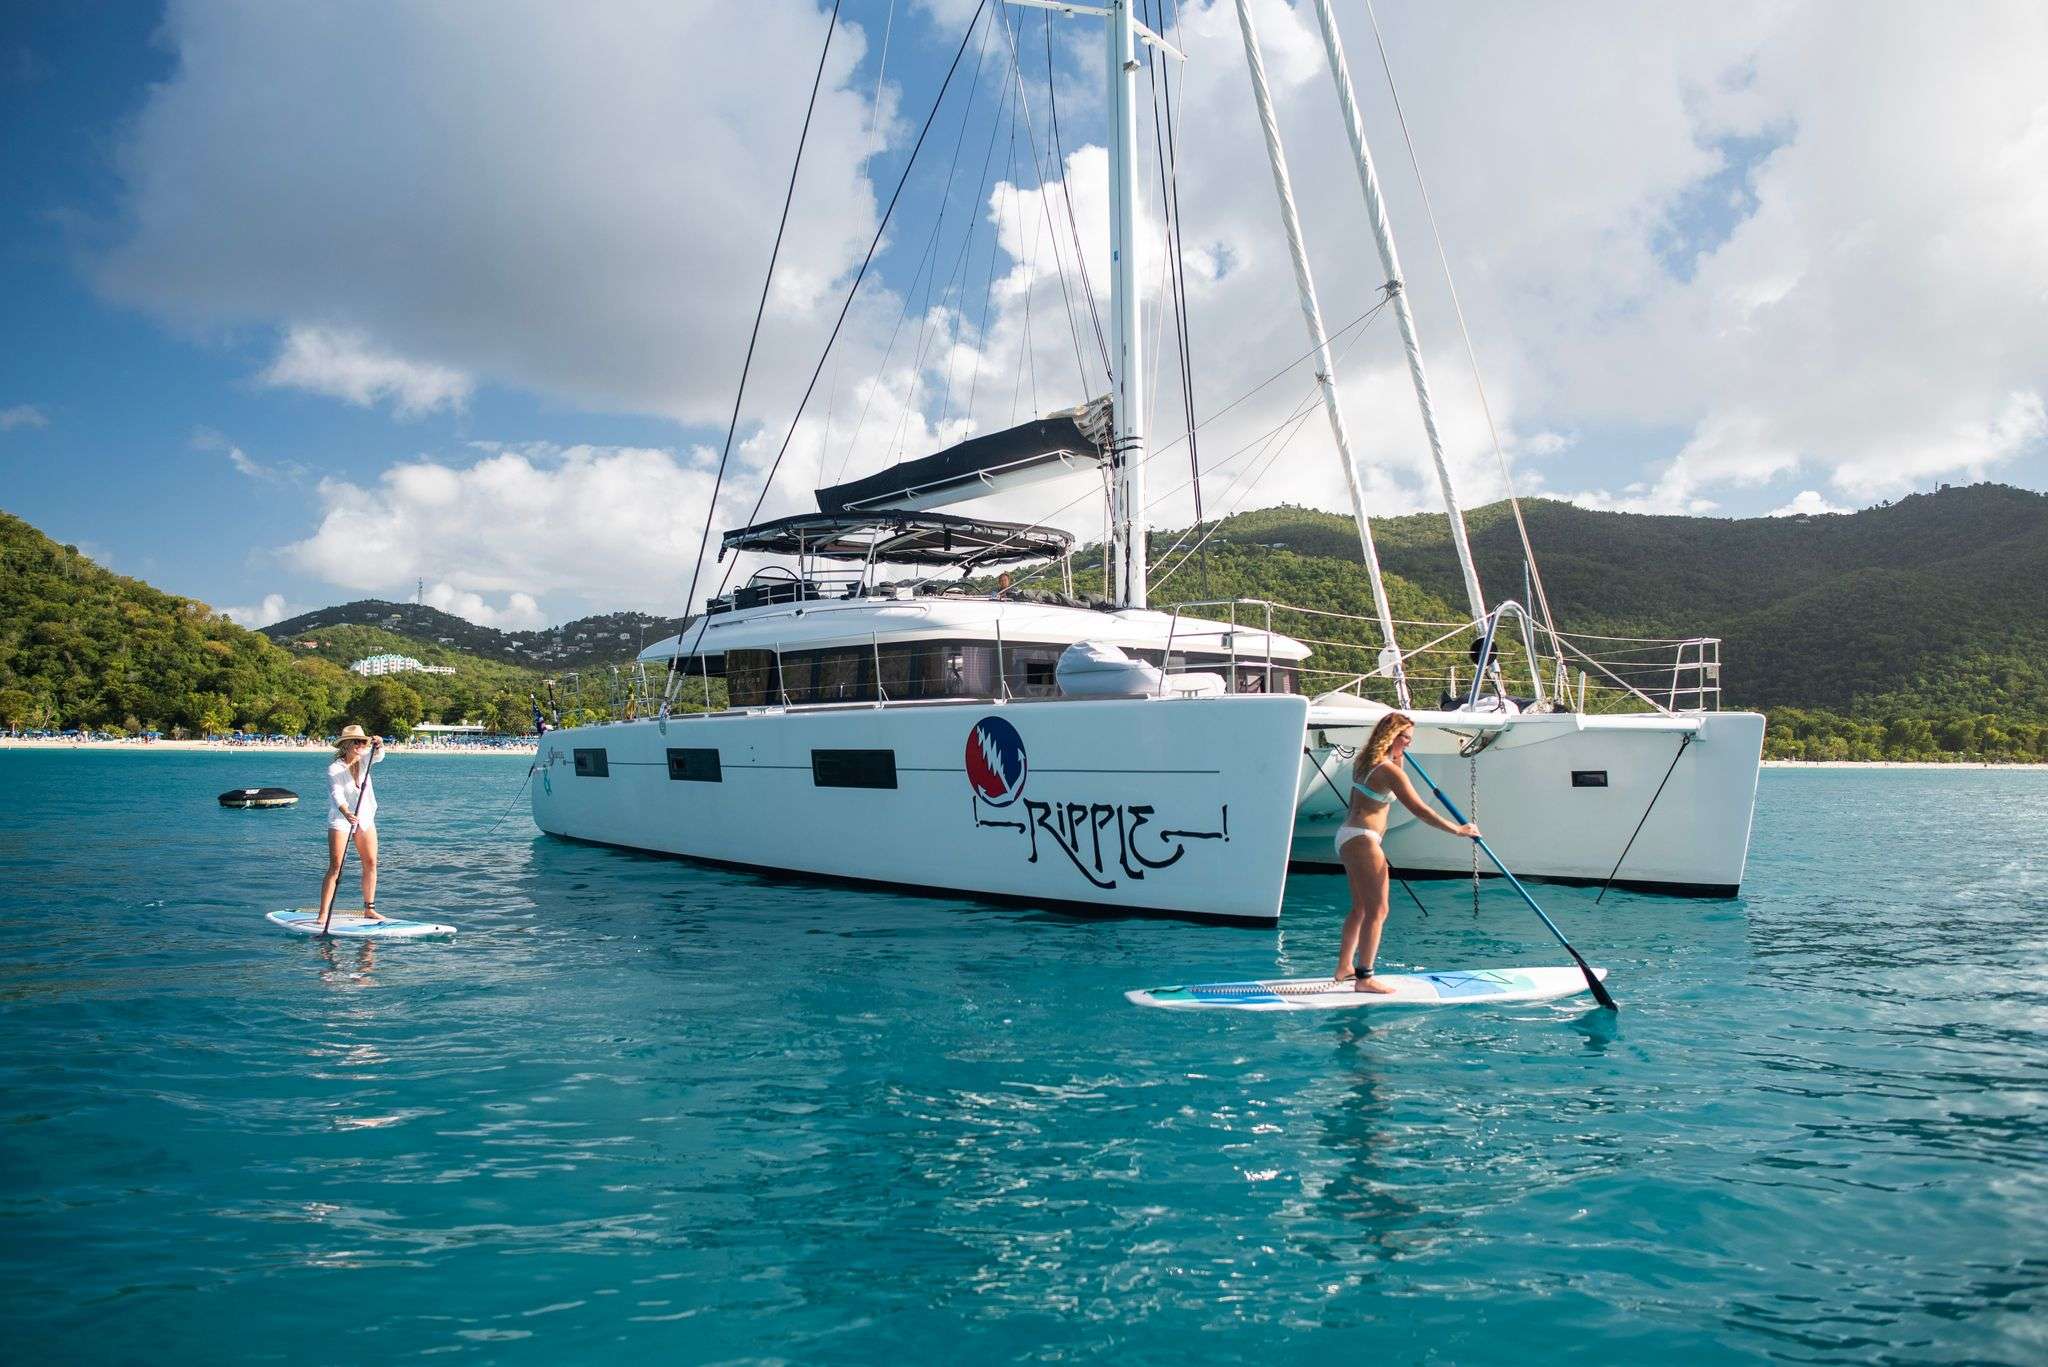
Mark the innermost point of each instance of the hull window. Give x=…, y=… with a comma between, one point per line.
x=695, y=766
x=592, y=764
x=853, y=768
x=1589, y=778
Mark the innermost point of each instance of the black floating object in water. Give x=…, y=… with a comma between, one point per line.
x=258, y=797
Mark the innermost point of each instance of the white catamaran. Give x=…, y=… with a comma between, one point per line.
x=1105, y=754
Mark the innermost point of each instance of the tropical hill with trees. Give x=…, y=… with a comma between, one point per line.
x=1912, y=630
x=83, y=647
x=580, y=644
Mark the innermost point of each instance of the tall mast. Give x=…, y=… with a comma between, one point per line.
x=1127, y=339
x=1319, y=342
x=1390, y=261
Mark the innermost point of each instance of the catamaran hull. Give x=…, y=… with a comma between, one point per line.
x=1173, y=806
x=1561, y=795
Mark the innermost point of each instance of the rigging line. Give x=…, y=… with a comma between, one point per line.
x=1225, y=462
x=1027, y=357
x=1364, y=317
x=1152, y=453
x=868, y=148
x=1301, y=413
x=928, y=259
x=1269, y=453
x=746, y=367
x=854, y=289
x=1458, y=310
x=1683, y=741
x=1187, y=362
x=1052, y=96
x=924, y=321
x=1306, y=412
x=957, y=281
x=1178, y=254
x=1256, y=443
x=1045, y=201
x=988, y=290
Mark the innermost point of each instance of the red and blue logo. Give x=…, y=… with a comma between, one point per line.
x=995, y=761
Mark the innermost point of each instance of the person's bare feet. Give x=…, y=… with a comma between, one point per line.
x=1370, y=984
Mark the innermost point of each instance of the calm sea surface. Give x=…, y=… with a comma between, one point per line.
x=642, y=1109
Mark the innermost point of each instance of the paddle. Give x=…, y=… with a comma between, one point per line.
x=355, y=820
x=1600, y=992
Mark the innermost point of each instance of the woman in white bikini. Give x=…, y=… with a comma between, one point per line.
x=1377, y=782
x=349, y=806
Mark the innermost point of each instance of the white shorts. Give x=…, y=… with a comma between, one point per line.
x=335, y=823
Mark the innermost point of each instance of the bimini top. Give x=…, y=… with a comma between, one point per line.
x=1041, y=449
x=900, y=538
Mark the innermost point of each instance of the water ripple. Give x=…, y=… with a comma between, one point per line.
x=638, y=1108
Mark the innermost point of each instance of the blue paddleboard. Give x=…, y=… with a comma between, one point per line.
x=1452, y=987
x=357, y=926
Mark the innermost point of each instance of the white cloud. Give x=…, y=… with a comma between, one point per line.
x=1810, y=240
x=273, y=608
x=576, y=200
x=348, y=365
x=206, y=439
x=1806, y=503
x=521, y=611
x=22, y=415
x=493, y=538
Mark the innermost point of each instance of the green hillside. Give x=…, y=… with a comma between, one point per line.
x=1910, y=630
x=1926, y=608
x=587, y=642
x=83, y=647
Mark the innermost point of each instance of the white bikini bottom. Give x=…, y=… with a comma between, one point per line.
x=1345, y=834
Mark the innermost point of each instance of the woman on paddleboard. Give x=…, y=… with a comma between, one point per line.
x=1377, y=782
x=351, y=807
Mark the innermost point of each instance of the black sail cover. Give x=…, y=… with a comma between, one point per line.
x=1042, y=449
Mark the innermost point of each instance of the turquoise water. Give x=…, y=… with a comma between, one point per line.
x=643, y=1108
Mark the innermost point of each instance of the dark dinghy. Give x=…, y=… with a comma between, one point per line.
x=258, y=797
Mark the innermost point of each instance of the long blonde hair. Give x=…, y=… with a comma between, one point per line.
x=1382, y=740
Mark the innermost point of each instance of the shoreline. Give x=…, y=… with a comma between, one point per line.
x=529, y=748
x=1897, y=764
x=187, y=747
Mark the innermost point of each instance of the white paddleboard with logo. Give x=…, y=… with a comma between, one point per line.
x=1450, y=987
x=358, y=926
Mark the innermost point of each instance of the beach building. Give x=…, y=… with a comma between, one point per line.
x=371, y=666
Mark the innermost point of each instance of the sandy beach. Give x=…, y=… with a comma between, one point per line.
x=1890, y=764
x=528, y=748
x=244, y=748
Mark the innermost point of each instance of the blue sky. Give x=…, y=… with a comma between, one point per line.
x=306, y=306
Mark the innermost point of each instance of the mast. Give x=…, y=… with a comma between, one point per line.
x=1125, y=549
x=1319, y=342
x=1390, y=261
x=1127, y=338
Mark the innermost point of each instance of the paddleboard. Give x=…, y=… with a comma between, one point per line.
x=1452, y=987
x=358, y=926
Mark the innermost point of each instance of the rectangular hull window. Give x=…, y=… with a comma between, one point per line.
x=695, y=766
x=592, y=764
x=1589, y=778
x=853, y=768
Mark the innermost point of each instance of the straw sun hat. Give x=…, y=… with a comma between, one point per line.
x=349, y=733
